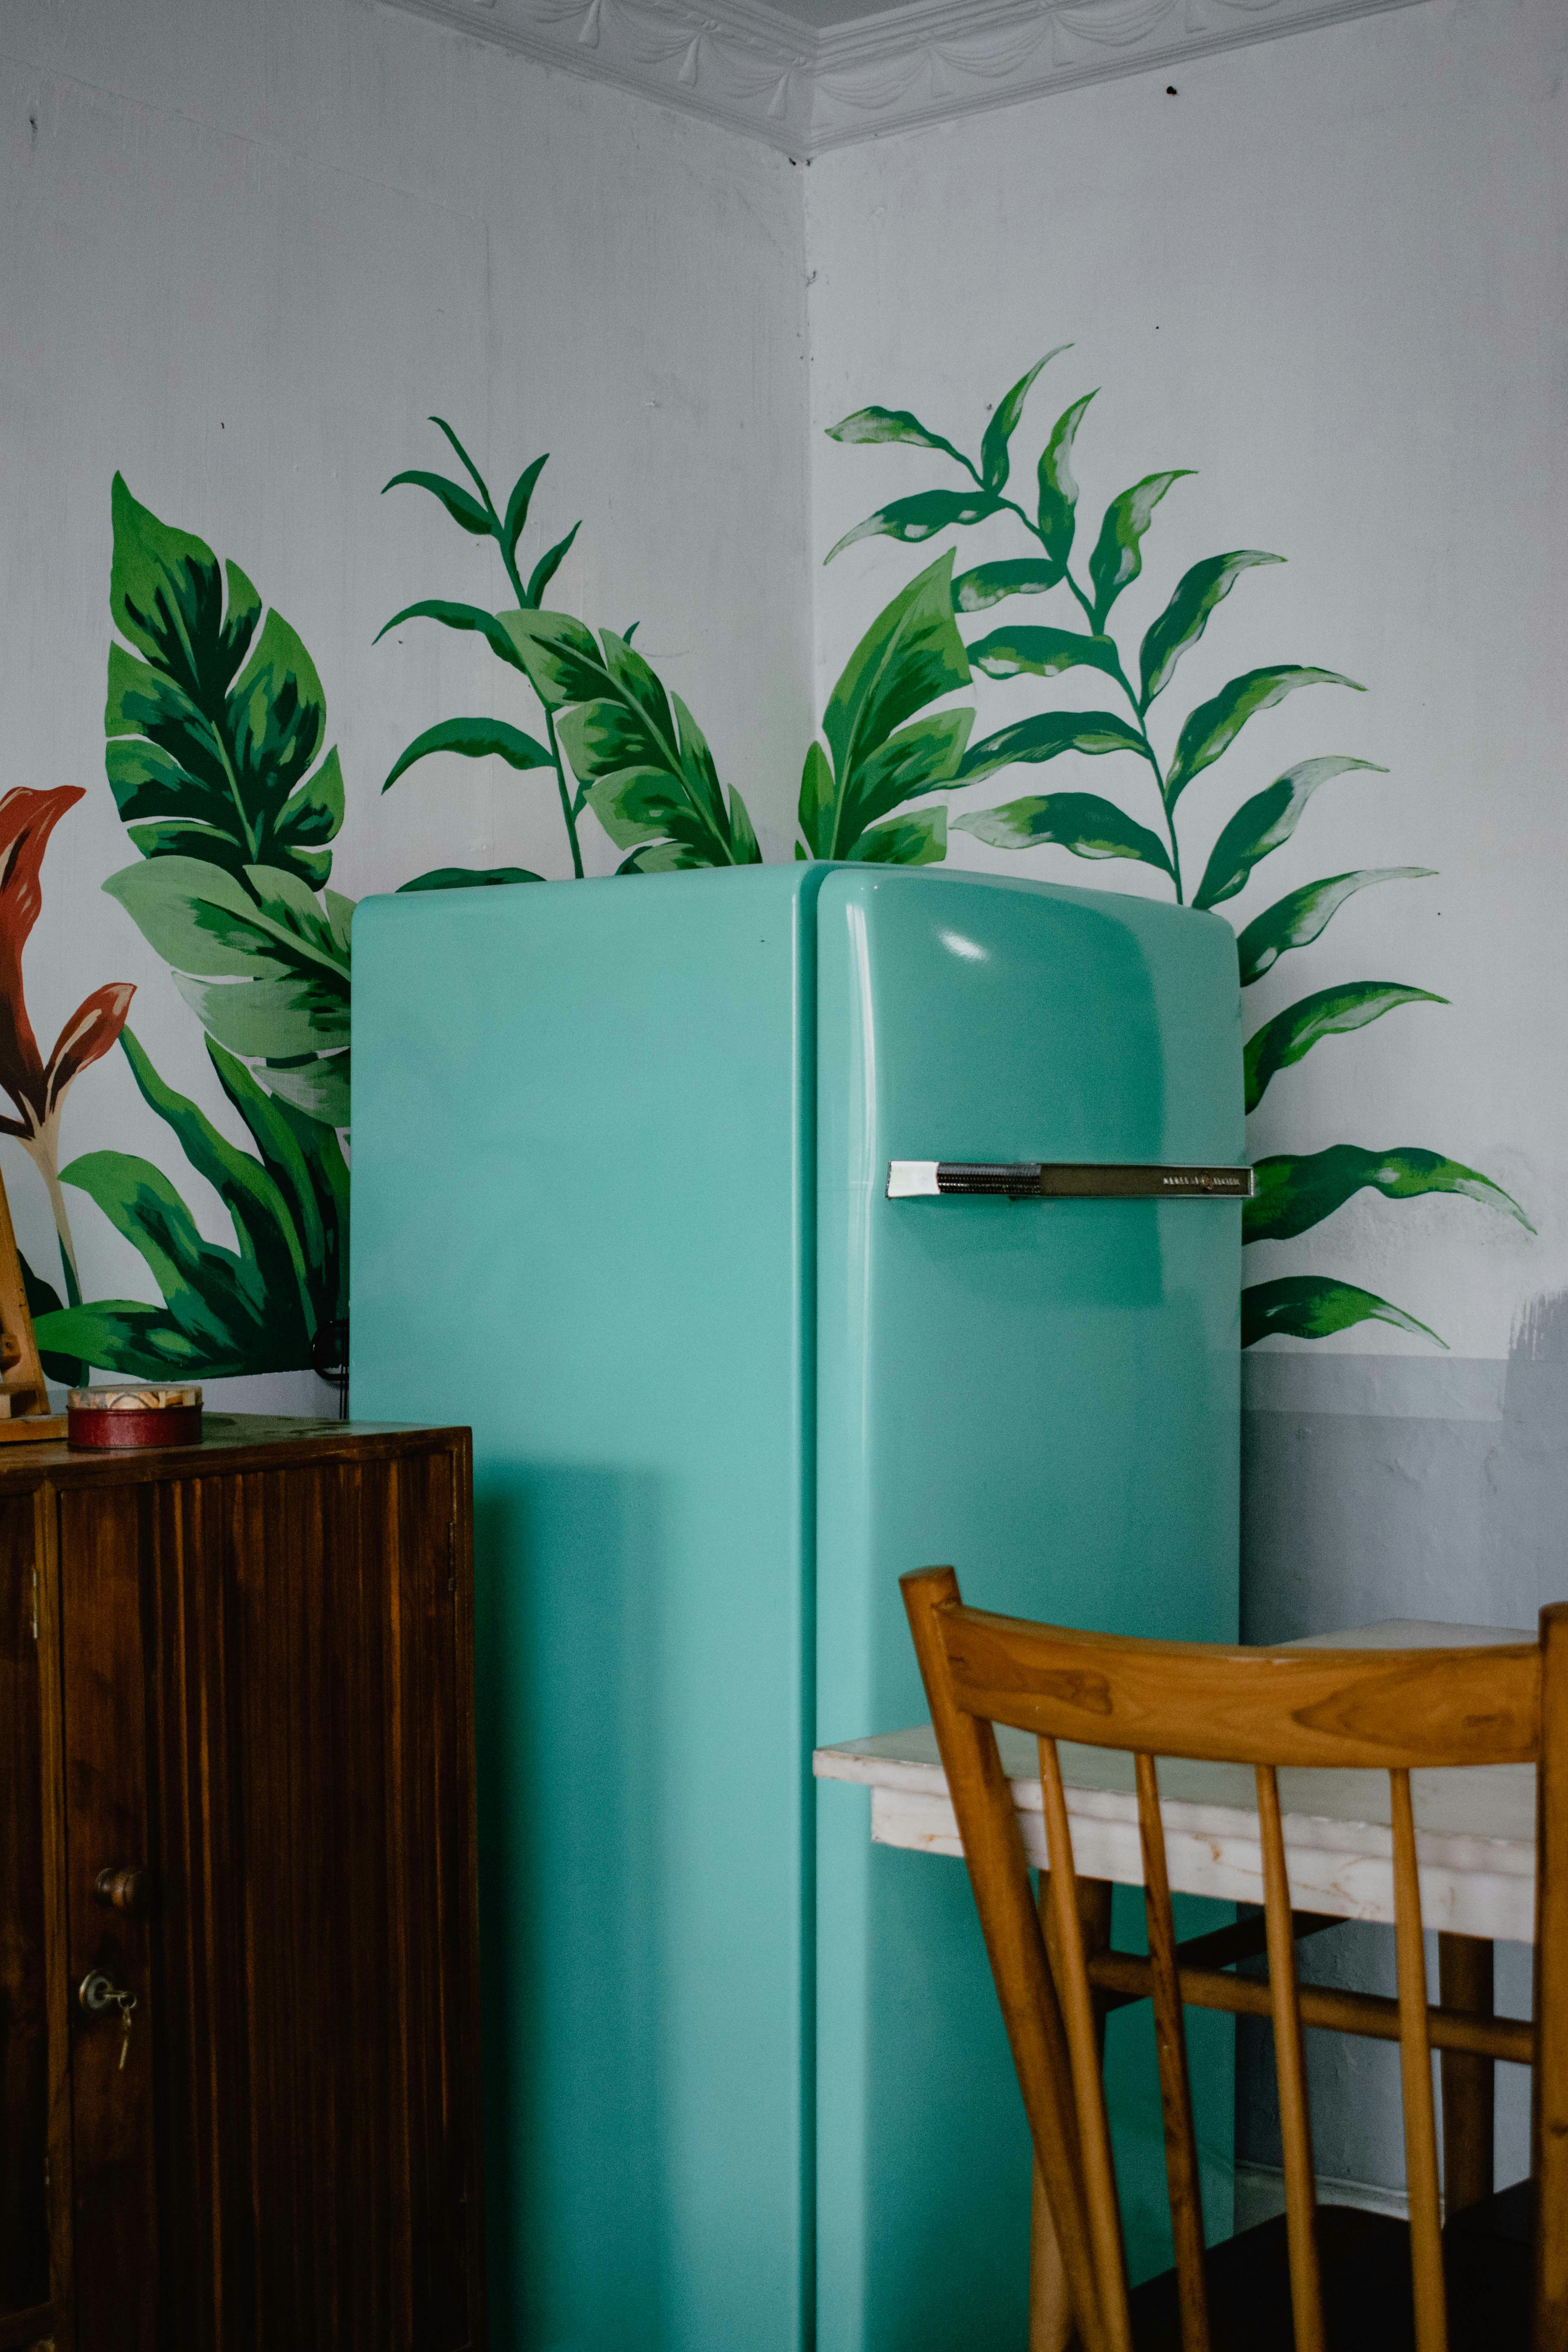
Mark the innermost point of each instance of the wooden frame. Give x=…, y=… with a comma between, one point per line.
x=1391, y=1709
x=25, y=1416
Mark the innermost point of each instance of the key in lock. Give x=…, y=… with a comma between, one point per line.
x=99, y=1993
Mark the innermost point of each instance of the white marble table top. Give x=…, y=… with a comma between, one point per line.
x=1475, y=1826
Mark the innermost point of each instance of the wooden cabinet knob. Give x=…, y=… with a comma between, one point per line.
x=124, y=1890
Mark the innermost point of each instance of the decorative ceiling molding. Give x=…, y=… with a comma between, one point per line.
x=760, y=70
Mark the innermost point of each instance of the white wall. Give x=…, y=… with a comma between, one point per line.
x=1329, y=274
x=249, y=245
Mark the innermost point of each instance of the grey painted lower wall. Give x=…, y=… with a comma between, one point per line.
x=1396, y=1486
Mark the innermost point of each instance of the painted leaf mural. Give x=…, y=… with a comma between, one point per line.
x=37, y=1086
x=615, y=741
x=880, y=753
x=642, y=762
x=216, y=754
x=1296, y=1193
x=256, y=1306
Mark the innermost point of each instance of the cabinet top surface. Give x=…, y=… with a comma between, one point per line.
x=229, y=1441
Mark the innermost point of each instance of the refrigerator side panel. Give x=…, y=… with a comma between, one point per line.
x=582, y=1223
x=1044, y=1394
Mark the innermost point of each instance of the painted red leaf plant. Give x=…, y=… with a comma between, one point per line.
x=37, y=1087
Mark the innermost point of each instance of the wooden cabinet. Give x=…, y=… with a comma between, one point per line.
x=238, y=1676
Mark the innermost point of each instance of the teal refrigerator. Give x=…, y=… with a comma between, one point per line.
x=778, y=1230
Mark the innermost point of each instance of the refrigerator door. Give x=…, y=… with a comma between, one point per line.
x=582, y=1202
x=1042, y=1391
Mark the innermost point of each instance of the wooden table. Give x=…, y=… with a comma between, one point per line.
x=1475, y=1847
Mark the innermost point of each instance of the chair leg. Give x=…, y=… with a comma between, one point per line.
x=1050, y=2307
x=1465, y=1981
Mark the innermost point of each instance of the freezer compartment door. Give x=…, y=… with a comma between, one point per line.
x=1033, y=1378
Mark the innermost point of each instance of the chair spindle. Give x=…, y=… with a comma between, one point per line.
x=1415, y=2081
x=1175, y=2087
x=1083, y=2052
x=1291, y=2068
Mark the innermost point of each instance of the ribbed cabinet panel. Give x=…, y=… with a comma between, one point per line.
x=265, y=1663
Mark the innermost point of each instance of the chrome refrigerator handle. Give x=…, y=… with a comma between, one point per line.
x=1064, y=1179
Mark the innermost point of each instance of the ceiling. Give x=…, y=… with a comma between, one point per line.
x=822, y=73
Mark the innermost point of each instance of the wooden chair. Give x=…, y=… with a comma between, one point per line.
x=1339, y=2279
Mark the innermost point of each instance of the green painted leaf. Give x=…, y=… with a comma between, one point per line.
x=140, y=1342
x=921, y=517
x=1329, y=1013
x=638, y=754
x=1186, y=617
x=633, y=805
x=460, y=616
x=1045, y=737
x=463, y=507
x=549, y=564
x=1299, y=918
x=1081, y=822
x=891, y=425
x=43, y=1299
x=909, y=657
x=475, y=739
x=1118, y=557
x=468, y=877
x=1295, y=1193
x=317, y=1085
x=1215, y=725
x=1018, y=575
x=271, y=1249
x=203, y=918
x=1058, y=491
x=818, y=806
x=563, y=662
x=661, y=857
x=269, y=1020
x=909, y=841
x=921, y=758
x=522, y=497
x=305, y=1160
x=1042, y=653
x=994, y=457
x=212, y=1297
x=466, y=463
x=200, y=749
x=743, y=846
x=191, y=619
x=340, y=922
x=1314, y=1307
x=259, y=960
x=1262, y=823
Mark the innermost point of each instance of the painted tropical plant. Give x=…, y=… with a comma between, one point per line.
x=913, y=655
x=216, y=753
x=37, y=1087
x=615, y=742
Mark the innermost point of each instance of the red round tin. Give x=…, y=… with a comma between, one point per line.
x=129, y=1416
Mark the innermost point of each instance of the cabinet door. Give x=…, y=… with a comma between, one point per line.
x=296, y=1763
x=109, y=1827
x=35, y=2134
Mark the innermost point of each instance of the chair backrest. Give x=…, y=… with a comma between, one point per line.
x=1396, y=1710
